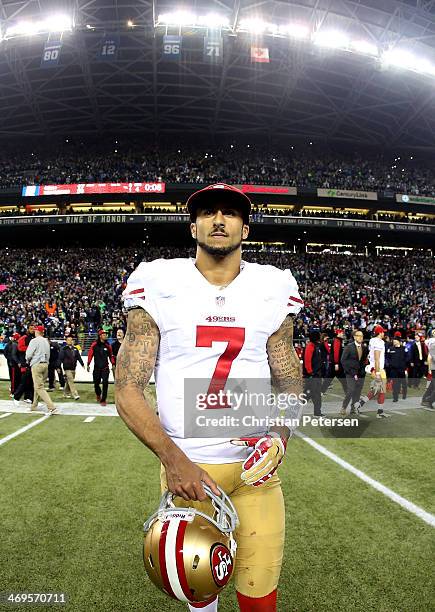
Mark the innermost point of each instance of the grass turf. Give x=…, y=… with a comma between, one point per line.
x=73, y=498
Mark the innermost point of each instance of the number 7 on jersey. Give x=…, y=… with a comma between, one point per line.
x=235, y=337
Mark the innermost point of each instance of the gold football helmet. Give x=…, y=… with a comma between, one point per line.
x=188, y=554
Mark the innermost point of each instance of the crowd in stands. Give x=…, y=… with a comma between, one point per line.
x=70, y=292
x=257, y=210
x=294, y=165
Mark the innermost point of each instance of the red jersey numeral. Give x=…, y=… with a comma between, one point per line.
x=235, y=337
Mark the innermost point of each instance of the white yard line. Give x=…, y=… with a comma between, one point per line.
x=426, y=408
x=6, y=414
x=395, y=497
x=89, y=420
x=396, y=411
x=23, y=429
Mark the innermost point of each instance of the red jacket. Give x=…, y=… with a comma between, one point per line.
x=312, y=359
x=337, y=350
x=101, y=353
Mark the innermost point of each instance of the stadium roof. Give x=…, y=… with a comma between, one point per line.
x=306, y=90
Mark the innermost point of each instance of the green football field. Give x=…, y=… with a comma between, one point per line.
x=74, y=495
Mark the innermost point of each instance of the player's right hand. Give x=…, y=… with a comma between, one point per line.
x=185, y=479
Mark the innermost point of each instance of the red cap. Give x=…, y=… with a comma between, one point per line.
x=339, y=331
x=101, y=331
x=39, y=328
x=379, y=329
x=397, y=334
x=16, y=336
x=219, y=192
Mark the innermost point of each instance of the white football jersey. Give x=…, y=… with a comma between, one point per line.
x=207, y=331
x=377, y=344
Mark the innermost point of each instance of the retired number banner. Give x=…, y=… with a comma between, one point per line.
x=213, y=49
x=171, y=47
x=109, y=48
x=51, y=54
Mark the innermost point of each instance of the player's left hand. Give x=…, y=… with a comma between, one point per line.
x=264, y=459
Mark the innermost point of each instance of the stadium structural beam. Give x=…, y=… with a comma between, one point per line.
x=226, y=62
x=20, y=9
x=294, y=68
x=357, y=88
x=427, y=101
x=83, y=61
x=156, y=121
x=17, y=68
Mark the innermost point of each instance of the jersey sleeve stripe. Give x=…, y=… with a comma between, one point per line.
x=136, y=291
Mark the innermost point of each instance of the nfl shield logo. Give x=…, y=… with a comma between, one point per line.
x=220, y=300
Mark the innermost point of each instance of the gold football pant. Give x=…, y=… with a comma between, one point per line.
x=260, y=535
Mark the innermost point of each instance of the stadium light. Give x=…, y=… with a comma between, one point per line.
x=427, y=67
x=331, y=39
x=364, y=47
x=295, y=30
x=255, y=26
x=213, y=20
x=177, y=18
x=186, y=18
x=55, y=23
x=400, y=58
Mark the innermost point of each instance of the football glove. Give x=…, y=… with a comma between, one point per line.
x=376, y=386
x=264, y=459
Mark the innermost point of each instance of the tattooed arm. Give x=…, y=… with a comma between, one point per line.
x=285, y=367
x=135, y=364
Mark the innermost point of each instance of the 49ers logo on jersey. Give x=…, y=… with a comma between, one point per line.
x=221, y=563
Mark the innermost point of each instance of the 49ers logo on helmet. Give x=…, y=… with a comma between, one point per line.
x=221, y=563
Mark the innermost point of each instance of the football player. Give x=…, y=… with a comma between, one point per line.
x=376, y=368
x=212, y=317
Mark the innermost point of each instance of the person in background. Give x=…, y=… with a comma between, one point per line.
x=101, y=352
x=68, y=358
x=418, y=360
x=117, y=344
x=325, y=352
x=376, y=368
x=396, y=358
x=37, y=356
x=11, y=354
x=26, y=383
x=335, y=369
x=313, y=372
x=353, y=362
x=428, y=398
x=53, y=368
